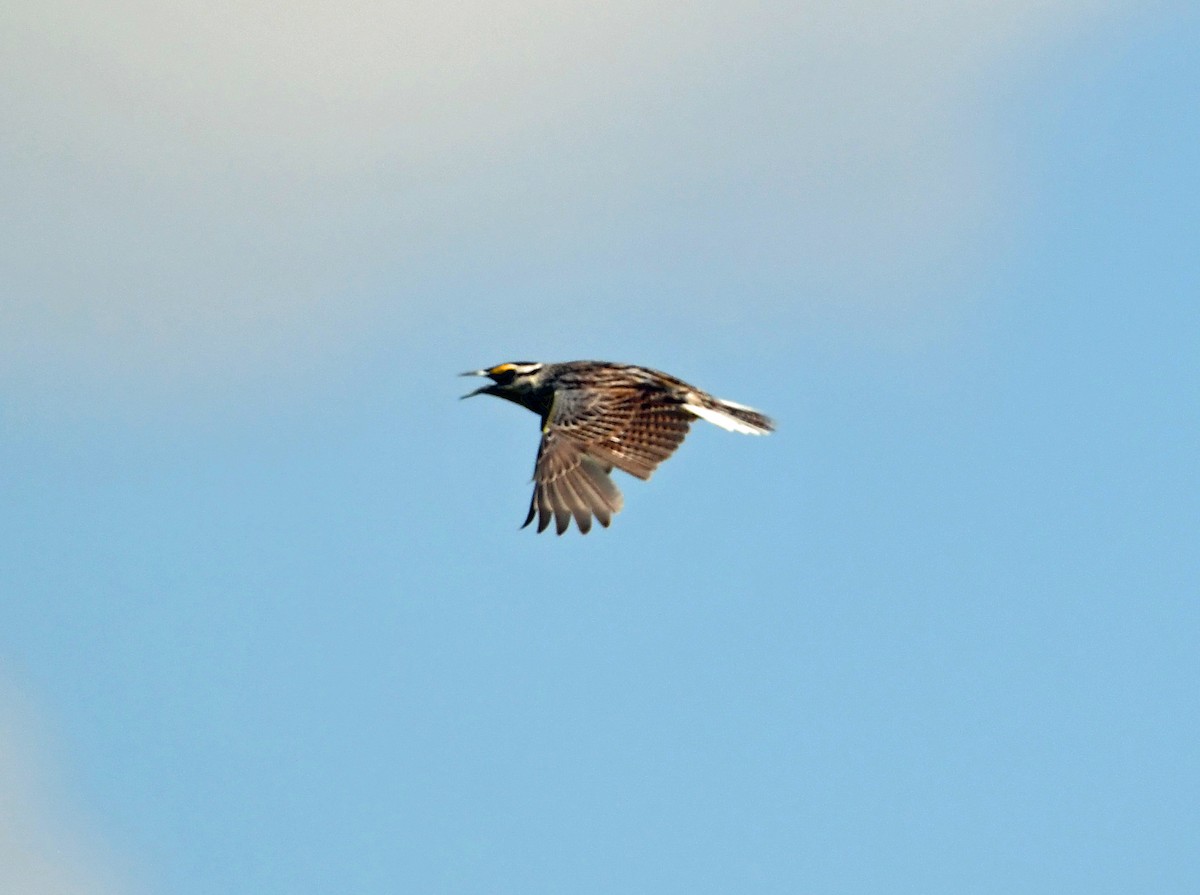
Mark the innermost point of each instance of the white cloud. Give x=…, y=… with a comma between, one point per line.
x=42, y=851
x=205, y=186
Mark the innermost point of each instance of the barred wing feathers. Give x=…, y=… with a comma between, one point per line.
x=587, y=433
x=569, y=483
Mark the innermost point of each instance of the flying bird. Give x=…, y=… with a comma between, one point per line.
x=596, y=416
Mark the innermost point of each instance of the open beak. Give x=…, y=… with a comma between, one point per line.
x=478, y=390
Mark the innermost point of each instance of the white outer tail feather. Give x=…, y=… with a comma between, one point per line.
x=726, y=421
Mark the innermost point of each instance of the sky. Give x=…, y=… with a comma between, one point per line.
x=267, y=620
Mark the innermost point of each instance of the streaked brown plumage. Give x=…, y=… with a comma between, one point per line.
x=597, y=416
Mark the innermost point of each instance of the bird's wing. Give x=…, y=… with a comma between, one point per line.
x=568, y=482
x=633, y=428
x=588, y=432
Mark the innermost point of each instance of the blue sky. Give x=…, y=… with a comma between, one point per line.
x=267, y=621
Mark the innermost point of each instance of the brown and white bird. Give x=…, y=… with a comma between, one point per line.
x=596, y=416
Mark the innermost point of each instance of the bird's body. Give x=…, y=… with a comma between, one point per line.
x=596, y=416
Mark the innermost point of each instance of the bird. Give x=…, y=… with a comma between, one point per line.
x=596, y=416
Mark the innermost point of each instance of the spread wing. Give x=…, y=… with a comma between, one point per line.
x=568, y=482
x=588, y=432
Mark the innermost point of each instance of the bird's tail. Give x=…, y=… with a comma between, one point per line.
x=730, y=416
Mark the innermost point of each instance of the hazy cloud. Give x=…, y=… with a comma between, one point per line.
x=201, y=185
x=42, y=851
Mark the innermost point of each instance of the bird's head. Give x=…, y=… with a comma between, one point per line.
x=507, y=379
